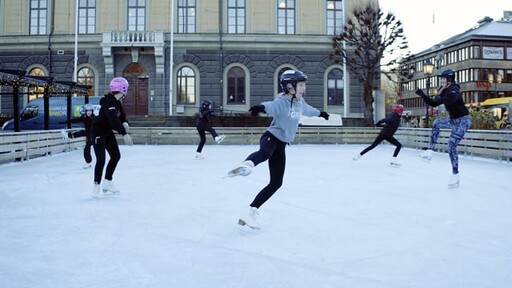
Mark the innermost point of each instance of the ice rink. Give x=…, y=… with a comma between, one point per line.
x=334, y=223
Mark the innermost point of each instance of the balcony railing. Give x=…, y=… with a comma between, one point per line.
x=133, y=38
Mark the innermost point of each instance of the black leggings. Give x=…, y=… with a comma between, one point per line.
x=273, y=150
x=202, y=135
x=381, y=138
x=88, y=144
x=106, y=142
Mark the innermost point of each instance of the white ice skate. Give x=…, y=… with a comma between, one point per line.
x=96, y=191
x=250, y=219
x=86, y=165
x=109, y=187
x=242, y=170
x=219, y=138
x=427, y=154
x=454, y=181
x=199, y=156
x=394, y=162
x=356, y=157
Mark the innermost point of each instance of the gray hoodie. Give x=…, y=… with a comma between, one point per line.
x=286, y=112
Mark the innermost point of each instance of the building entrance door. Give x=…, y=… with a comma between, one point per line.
x=136, y=101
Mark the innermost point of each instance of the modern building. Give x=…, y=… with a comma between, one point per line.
x=231, y=52
x=481, y=57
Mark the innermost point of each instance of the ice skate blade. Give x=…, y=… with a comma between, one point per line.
x=396, y=165
x=240, y=171
x=453, y=186
x=243, y=223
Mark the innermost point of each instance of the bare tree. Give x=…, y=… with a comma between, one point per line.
x=367, y=36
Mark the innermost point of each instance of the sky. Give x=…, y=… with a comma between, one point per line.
x=334, y=223
x=427, y=23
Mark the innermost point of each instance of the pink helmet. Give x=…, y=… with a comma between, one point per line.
x=399, y=109
x=119, y=84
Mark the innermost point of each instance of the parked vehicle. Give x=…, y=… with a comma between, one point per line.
x=500, y=109
x=32, y=116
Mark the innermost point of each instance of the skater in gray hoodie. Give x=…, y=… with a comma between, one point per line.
x=286, y=110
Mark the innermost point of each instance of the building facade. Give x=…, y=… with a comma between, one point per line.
x=481, y=58
x=231, y=52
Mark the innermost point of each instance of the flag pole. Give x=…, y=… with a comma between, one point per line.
x=171, y=59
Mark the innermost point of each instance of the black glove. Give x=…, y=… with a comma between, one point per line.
x=257, y=109
x=324, y=115
x=420, y=93
x=377, y=124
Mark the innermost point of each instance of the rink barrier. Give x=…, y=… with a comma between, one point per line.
x=496, y=144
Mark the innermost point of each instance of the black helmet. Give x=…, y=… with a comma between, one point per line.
x=291, y=77
x=449, y=74
x=206, y=103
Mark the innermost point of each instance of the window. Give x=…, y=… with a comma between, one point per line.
x=86, y=77
x=38, y=11
x=36, y=92
x=334, y=17
x=87, y=17
x=335, y=87
x=186, y=16
x=186, y=85
x=236, y=16
x=136, y=15
x=286, y=17
x=236, y=86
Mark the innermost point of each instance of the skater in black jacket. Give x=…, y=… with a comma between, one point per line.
x=391, y=124
x=203, y=125
x=111, y=117
x=87, y=118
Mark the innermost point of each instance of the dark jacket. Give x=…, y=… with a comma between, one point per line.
x=84, y=119
x=452, y=100
x=391, y=124
x=111, y=117
x=203, y=118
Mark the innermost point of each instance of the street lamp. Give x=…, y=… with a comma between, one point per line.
x=428, y=69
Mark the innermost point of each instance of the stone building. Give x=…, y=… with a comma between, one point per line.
x=228, y=51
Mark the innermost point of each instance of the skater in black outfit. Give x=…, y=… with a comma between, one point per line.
x=391, y=124
x=203, y=125
x=111, y=117
x=286, y=110
x=87, y=118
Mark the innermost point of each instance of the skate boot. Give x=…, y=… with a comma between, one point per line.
x=199, y=156
x=96, y=190
x=394, y=162
x=427, y=154
x=243, y=170
x=219, y=138
x=108, y=186
x=250, y=219
x=86, y=165
x=356, y=157
x=454, y=181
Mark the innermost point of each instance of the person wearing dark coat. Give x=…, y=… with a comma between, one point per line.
x=458, y=120
x=391, y=124
x=87, y=118
x=203, y=125
x=111, y=117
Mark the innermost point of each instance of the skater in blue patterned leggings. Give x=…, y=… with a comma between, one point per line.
x=458, y=120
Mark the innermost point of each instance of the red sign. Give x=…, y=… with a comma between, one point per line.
x=486, y=85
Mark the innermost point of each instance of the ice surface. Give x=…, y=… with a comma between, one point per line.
x=335, y=222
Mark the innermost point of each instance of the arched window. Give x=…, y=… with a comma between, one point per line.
x=86, y=77
x=186, y=86
x=335, y=87
x=36, y=92
x=236, y=86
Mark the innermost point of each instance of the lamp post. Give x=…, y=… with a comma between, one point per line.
x=428, y=68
